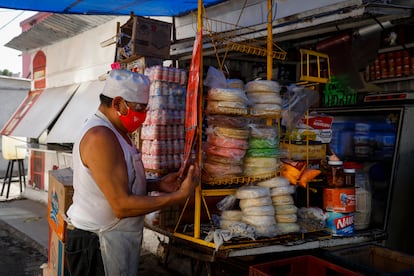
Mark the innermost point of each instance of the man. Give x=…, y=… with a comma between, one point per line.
x=110, y=190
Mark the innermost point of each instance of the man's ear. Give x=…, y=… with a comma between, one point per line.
x=116, y=102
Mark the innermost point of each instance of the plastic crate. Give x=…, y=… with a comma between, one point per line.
x=306, y=265
x=373, y=259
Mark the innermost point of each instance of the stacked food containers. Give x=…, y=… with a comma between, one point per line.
x=339, y=199
x=162, y=135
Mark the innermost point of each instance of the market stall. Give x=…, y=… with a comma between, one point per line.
x=192, y=229
x=196, y=234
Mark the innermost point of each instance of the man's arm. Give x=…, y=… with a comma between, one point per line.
x=102, y=154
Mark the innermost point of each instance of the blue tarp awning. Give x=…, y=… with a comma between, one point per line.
x=109, y=7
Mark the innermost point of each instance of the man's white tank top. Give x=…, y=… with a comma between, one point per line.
x=90, y=210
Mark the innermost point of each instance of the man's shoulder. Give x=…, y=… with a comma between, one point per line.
x=100, y=131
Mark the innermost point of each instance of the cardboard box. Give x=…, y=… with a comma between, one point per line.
x=139, y=64
x=303, y=151
x=47, y=271
x=143, y=37
x=61, y=188
x=57, y=222
x=59, y=199
x=56, y=258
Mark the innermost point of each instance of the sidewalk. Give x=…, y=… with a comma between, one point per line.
x=27, y=216
x=26, y=213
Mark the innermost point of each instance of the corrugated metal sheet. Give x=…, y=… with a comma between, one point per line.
x=83, y=105
x=46, y=109
x=55, y=28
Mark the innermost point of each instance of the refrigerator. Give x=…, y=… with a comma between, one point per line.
x=380, y=135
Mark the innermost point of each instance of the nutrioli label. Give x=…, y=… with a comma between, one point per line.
x=340, y=224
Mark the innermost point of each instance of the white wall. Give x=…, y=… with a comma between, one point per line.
x=80, y=58
x=12, y=93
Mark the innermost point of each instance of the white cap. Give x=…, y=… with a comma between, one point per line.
x=132, y=87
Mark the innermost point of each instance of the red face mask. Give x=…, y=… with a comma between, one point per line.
x=133, y=119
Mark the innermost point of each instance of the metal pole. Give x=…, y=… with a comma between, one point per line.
x=269, y=40
x=269, y=46
x=197, y=196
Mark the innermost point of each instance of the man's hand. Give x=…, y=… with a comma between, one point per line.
x=170, y=183
x=191, y=180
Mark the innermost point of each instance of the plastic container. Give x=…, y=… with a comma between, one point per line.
x=335, y=176
x=340, y=200
x=362, y=128
x=306, y=265
x=349, y=177
x=361, y=140
x=340, y=224
x=363, y=196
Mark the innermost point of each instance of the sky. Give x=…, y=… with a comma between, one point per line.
x=10, y=59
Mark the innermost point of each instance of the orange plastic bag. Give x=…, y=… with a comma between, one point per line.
x=292, y=170
x=308, y=175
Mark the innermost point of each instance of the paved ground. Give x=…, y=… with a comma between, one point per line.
x=24, y=239
x=19, y=256
x=24, y=235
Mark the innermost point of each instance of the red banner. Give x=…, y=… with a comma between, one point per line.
x=191, y=110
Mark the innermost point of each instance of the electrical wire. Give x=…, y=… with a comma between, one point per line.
x=11, y=20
